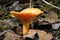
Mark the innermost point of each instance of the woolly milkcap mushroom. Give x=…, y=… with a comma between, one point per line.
x=25, y=16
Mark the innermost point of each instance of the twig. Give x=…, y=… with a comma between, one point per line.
x=30, y=5
x=50, y=4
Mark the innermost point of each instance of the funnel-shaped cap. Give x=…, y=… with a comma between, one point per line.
x=27, y=14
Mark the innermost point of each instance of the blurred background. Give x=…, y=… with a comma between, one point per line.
x=49, y=21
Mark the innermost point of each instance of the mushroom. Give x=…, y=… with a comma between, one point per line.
x=25, y=16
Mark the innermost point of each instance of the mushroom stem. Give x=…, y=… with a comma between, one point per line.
x=25, y=28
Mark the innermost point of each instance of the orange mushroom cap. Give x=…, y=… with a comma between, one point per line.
x=27, y=14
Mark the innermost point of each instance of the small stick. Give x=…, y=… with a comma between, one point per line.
x=30, y=5
x=51, y=4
